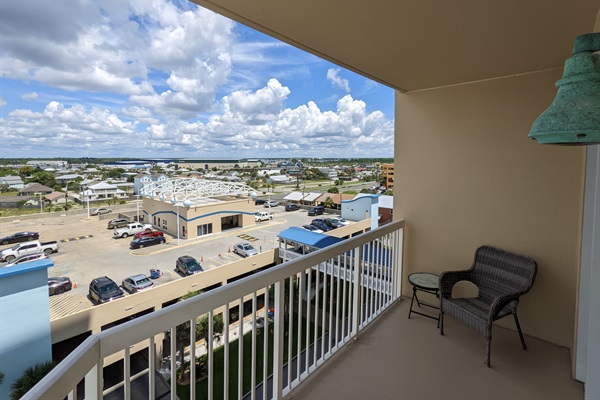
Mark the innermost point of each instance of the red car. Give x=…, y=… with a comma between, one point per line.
x=149, y=233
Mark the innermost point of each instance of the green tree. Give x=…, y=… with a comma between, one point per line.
x=328, y=203
x=31, y=376
x=26, y=170
x=333, y=190
x=217, y=328
x=182, y=332
x=43, y=177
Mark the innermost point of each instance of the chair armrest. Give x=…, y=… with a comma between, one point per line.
x=499, y=302
x=449, y=278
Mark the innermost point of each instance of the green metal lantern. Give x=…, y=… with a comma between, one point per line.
x=573, y=118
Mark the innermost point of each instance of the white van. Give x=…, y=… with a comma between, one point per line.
x=262, y=216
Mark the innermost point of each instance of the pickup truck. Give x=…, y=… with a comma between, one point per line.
x=28, y=248
x=262, y=216
x=131, y=229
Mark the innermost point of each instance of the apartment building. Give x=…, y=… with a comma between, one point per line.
x=387, y=175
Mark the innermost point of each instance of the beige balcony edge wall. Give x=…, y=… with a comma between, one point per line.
x=467, y=175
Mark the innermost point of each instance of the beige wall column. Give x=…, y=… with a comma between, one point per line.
x=467, y=175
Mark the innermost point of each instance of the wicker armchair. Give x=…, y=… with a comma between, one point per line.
x=501, y=278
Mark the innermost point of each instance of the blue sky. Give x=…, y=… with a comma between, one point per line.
x=170, y=79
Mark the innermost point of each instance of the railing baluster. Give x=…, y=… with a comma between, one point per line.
x=253, y=351
x=346, y=292
x=210, y=355
x=126, y=374
x=192, y=359
x=324, y=310
x=151, y=368
x=240, y=393
x=356, y=307
x=316, y=319
x=331, y=314
x=290, y=329
x=266, y=343
x=337, y=302
x=93, y=382
x=226, y=349
x=308, y=320
x=300, y=332
x=277, y=343
x=173, y=345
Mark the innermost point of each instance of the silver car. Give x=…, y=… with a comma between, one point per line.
x=26, y=258
x=245, y=249
x=137, y=283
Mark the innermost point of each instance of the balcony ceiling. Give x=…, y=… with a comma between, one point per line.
x=419, y=44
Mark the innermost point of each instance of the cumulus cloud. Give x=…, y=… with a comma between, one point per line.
x=30, y=96
x=2, y=102
x=249, y=124
x=336, y=80
x=120, y=47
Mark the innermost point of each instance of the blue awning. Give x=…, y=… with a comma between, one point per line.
x=308, y=238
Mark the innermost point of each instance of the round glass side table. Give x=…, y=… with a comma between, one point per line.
x=424, y=282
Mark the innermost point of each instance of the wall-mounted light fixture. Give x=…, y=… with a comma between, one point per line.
x=573, y=118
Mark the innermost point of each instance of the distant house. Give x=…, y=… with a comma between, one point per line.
x=143, y=179
x=336, y=198
x=12, y=181
x=35, y=189
x=102, y=191
x=13, y=201
x=66, y=179
x=56, y=198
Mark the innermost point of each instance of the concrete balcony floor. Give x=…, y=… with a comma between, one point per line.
x=398, y=358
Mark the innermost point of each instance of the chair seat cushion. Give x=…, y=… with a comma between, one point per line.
x=472, y=311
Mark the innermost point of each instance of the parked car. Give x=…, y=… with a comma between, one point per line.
x=103, y=290
x=328, y=222
x=32, y=247
x=188, y=265
x=99, y=211
x=339, y=220
x=137, y=283
x=271, y=203
x=149, y=233
x=26, y=258
x=20, y=237
x=117, y=223
x=59, y=285
x=259, y=202
x=321, y=225
x=292, y=207
x=145, y=241
x=318, y=210
x=245, y=249
x=312, y=228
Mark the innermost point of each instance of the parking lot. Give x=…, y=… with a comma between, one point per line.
x=88, y=249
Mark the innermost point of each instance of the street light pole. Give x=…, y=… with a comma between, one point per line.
x=87, y=196
x=178, y=224
x=137, y=207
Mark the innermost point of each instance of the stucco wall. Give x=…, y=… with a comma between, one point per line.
x=190, y=218
x=467, y=175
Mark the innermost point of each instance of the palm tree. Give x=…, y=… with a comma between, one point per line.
x=31, y=376
x=329, y=202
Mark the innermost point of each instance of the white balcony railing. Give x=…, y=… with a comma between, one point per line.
x=321, y=302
